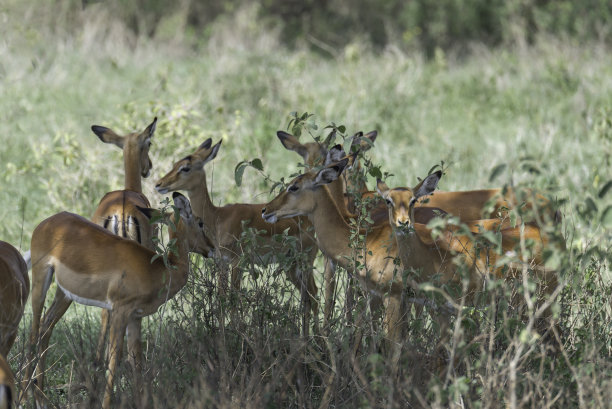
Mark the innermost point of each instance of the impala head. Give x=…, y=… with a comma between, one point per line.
x=313, y=153
x=187, y=173
x=190, y=227
x=134, y=145
x=300, y=197
x=363, y=142
x=401, y=200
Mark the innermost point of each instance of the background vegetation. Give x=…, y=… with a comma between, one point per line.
x=475, y=83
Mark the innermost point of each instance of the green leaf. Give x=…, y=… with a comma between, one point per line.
x=606, y=217
x=497, y=170
x=239, y=171
x=590, y=205
x=375, y=172
x=341, y=129
x=605, y=189
x=256, y=163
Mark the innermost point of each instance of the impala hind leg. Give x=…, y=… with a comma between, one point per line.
x=54, y=314
x=101, y=348
x=118, y=325
x=135, y=358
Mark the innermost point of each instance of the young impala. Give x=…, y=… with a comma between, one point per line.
x=95, y=267
x=225, y=225
x=14, y=291
x=308, y=195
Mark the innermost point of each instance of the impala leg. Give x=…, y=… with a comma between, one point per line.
x=134, y=348
x=236, y=277
x=54, y=314
x=118, y=324
x=393, y=325
x=41, y=277
x=104, y=320
x=330, y=288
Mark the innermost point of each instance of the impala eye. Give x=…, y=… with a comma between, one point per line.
x=292, y=188
x=185, y=169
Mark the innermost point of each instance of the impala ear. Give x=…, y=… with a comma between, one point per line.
x=330, y=139
x=107, y=135
x=364, y=142
x=147, y=211
x=335, y=154
x=382, y=188
x=427, y=185
x=150, y=130
x=291, y=143
x=213, y=153
x=206, y=144
x=330, y=173
x=183, y=205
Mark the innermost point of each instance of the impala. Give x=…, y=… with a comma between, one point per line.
x=7, y=385
x=14, y=291
x=308, y=195
x=95, y=267
x=431, y=260
x=317, y=154
x=118, y=210
x=225, y=225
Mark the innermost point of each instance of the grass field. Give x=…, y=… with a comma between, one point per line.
x=545, y=111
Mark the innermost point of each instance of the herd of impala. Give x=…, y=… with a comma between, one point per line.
x=109, y=262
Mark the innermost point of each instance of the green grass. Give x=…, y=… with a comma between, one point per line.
x=548, y=106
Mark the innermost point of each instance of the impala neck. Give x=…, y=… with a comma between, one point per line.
x=202, y=206
x=414, y=254
x=131, y=164
x=180, y=263
x=333, y=233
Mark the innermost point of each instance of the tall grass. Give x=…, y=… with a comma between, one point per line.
x=544, y=111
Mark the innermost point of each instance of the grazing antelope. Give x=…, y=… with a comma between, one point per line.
x=95, y=267
x=7, y=385
x=225, y=225
x=118, y=210
x=14, y=291
x=308, y=195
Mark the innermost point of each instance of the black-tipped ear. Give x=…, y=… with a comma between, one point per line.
x=283, y=135
x=107, y=135
x=182, y=204
x=151, y=128
x=206, y=144
x=335, y=154
x=427, y=185
x=371, y=135
x=147, y=211
x=382, y=188
x=99, y=130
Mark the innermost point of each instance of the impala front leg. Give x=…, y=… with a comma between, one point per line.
x=393, y=324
